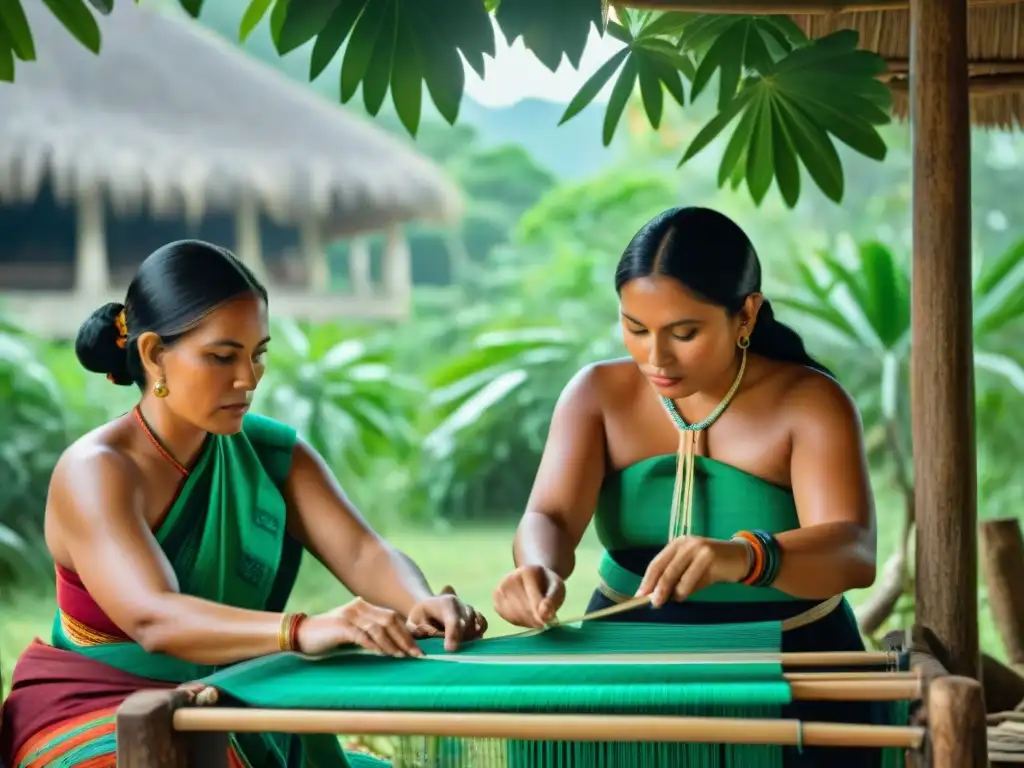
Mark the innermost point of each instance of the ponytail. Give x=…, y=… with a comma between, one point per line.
x=777, y=341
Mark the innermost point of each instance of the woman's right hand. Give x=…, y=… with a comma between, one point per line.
x=530, y=596
x=357, y=623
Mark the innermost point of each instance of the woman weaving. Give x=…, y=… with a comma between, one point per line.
x=177, y=529
x=723, y=467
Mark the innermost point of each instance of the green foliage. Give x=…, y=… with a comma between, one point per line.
x=789, y=96
x=35, y=429
x=854, y=311
x=339, y=389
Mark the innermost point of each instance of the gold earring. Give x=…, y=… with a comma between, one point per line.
x=160, y=388
x=743, y=342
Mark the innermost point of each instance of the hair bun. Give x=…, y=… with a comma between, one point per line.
x=96, y=345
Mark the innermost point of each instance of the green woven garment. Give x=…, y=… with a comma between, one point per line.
x=593, y=668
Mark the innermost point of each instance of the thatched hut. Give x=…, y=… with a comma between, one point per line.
x=172, y=132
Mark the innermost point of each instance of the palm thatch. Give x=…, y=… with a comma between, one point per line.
x=170, y=116
x=995, y=50
x=995, y=43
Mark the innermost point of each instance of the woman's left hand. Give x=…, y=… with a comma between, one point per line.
x=691, y=563
x=445, y=614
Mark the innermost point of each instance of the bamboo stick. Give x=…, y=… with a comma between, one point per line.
x=855, y=690
x=862, y=676
x=803, y=659
x=703, y=730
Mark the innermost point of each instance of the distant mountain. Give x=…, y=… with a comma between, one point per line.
x=573, y=151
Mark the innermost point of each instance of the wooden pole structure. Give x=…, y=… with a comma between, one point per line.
x=942, y=355
x=958, y=736
x=146, y=736
x=1002, y=564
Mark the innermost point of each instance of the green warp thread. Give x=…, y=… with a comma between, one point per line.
x=356, y=681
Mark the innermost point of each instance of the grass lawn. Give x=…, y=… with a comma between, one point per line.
x=472, y=560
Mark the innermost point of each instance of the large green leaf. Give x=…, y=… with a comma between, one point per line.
x=549, y=29
x=15, y=30
x=999, y=292
x=826, y=88
x=792, y=96
x=79, y=21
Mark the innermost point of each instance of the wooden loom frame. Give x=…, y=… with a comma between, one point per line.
x=165, y=729
x=159, y=729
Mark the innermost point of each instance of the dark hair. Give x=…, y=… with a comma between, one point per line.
x=175, y=287
x=709, y=254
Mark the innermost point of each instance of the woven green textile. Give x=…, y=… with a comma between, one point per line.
x=551, y=673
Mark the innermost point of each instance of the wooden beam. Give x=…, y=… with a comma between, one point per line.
x=942, y=352
x=974, y=68
x=397, y=265
x=146, y=737
x=1002, y=564
x=248, y=239
x=993, y=85
x=783, y=6
x=318, y=271
x=359, y=267
x=92, y=266
x=958, y=734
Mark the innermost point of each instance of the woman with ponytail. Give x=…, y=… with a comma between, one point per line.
x=723, y=467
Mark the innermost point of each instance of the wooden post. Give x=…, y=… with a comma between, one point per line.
x=942, y=355
x=146, y=737
x=359, y=266
x=92, y=269
x=1004, y=687
x=249, y=243
x=1002, y=563
x=397, y=265
x=957, y=729
x=318, y=272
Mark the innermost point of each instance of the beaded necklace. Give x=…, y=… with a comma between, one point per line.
x=680, y=522
x=157, y=444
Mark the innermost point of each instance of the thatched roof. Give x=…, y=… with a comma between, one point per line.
x=995, y=30
x=995, y=50
x=170, y=114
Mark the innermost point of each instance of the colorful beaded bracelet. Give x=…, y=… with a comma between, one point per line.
x=767, y=557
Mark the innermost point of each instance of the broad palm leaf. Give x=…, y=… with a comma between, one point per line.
x=35, y=429
x=340, y=391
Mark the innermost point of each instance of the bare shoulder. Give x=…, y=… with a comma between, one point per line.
x=812, y=400
x=98, y=462
x=602, y=384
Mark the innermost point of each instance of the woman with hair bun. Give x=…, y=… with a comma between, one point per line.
x=723, y=467
x=177, y=529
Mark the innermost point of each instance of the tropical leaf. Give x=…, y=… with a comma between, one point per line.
x=999, y=292
x=551, y=30
x=792, y=96
x=79, y=21
x=15, y=30
x=792, y=108
x=339, y=390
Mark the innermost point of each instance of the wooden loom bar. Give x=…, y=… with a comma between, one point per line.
x=1002, y=564
x=783, y=6
x=479, y=725
x=958, y=736
x=942, y=355
x=788, y=660
x=808, y=686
